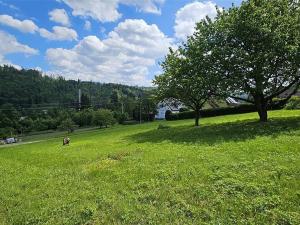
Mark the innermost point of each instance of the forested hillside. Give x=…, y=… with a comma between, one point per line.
x=28, y=88
x=31, y=101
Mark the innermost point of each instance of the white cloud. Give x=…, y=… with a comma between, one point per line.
x=60, y=16
x=148, y=6
x=104, y=11
x=11, y=6
x=12, y=46
x=28, y=26
x=125, y=56
x=107, y=10
x=59, y=33
x=25, y=26
x=87, y=25
x=189, y=15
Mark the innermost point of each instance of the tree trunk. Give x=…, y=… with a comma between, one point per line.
x=197, y=117
x=261, y=105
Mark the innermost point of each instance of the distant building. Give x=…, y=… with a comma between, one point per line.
x=164, y=106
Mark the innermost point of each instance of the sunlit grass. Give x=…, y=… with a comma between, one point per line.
x=231, y=170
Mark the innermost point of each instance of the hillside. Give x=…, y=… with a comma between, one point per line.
x=230, y=170
x=27, y=88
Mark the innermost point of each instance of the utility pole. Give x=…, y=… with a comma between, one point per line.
x=140, y=109
x=79, y=99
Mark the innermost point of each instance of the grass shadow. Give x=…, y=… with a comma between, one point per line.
x=223, y=132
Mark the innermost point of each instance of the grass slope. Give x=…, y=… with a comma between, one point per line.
x=231, y=170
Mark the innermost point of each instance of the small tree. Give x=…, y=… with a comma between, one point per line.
x=187, y=74
x=103, y=117
x=67, y=125
x=256, y=50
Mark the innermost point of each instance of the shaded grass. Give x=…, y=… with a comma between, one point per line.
x=231, y=170
x=220, y=132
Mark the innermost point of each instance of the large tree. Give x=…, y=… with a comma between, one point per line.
x=187, y=74
x=256, y=50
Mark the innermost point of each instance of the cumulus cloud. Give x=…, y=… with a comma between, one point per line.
x=189, y=15
x=28, y=26
x=60, y=16
x=152, y=6
x=59, y=33
x=107, y=10
x=125, y=56
x=12, y=46
x=25, y=26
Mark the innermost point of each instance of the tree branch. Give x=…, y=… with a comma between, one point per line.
x=296, y=81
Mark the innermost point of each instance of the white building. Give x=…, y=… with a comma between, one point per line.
x=164, y=106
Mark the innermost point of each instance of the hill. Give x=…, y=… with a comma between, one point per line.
x=231, y=170
x=27, y=88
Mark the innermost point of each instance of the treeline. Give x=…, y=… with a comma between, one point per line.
x=30, y=88
x=31, y=101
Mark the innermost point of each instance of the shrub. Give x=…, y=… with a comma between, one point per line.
x=168, y=115
x=67, y=125
x=293, y=103
x=244, y=108
x=103, y=117
x=121, y=117
x=183, y=109
x=40, y=125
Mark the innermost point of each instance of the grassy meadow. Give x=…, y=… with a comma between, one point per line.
x=230, y=170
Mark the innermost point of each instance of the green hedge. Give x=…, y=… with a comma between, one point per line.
x=293, y=103
x=212, y=112
x=243, y=108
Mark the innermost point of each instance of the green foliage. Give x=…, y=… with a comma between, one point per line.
x=293, y=103
x=245, y=108
x=30, y=89
x=168, y=114
x=103, y=117
x=256, y=50
x=84, y=118
x=67, y=125
x=232, y=170
x=187, y=75
x=7, y=132
x=121, y=117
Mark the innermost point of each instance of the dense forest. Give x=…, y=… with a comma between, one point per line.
x=32, y=101
x=29, y=88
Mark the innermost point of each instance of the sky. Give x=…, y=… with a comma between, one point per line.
x=109, y=41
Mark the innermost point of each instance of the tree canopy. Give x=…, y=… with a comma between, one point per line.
x=256, y=50
x=251, y=50
x=188, y=75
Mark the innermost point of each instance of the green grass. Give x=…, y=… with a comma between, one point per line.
x=231, y=170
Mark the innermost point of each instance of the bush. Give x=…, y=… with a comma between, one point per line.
x=67, y=125
x=244, y=108
x=40, y=125
x=293, y=103
x=121, y=117
x=168, y=115
x=103, y=117
x=183, y=109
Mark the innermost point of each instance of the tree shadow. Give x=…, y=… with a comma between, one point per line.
x=216, y=133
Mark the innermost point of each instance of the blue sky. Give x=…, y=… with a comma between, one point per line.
x=118, y=41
